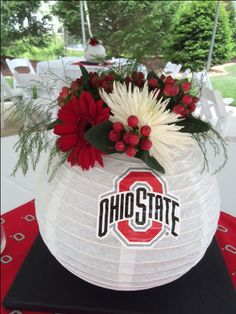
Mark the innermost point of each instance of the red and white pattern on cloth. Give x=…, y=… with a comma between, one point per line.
x=104, y=64
x=21, y=229
x=226, y=238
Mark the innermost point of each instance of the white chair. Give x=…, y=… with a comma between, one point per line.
x=211, y=107
x=202, y=79
x=7, y=93
x=22, y=80
x=223, y=118
x=172, y=69
x=184, y=74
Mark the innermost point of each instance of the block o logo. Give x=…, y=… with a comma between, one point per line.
x=139, y=211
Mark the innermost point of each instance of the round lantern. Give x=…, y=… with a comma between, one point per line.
x=125, y=226
x=94, y=53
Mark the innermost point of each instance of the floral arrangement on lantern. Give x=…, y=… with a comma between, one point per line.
x=116, y=113
x=95, y=51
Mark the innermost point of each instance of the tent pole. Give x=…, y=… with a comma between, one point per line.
x=86, y=11
x=82, y=23
x=213, y=36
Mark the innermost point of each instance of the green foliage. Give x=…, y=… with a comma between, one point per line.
x=98, y=137
x=231, y=10
x=192, y=125
x=150, y=161
x=216, y=141
x=133, y=28
x=226, y=83
x=85, y=76
x=190, y=37
x=53, y=49
x=34, y=138
x=19, y=23
x=56, y=159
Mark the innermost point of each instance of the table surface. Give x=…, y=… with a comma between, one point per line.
x=67, y=65
x=21, y=230
x=70, y=63
x=69, y=69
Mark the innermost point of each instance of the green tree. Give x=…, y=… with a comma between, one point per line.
x=190, y=36
x=135, y=28
x=19, y=24
x=230, y=7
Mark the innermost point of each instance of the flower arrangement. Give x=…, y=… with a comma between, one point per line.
x=117, y=113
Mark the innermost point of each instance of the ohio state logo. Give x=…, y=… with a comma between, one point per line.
x=139, y=211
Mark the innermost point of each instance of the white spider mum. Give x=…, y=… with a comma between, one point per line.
x=165, y=133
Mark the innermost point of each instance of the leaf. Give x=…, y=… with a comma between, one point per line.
x=152, y=74
x=192, y=125
x=150, y=161
x=84, y=72
x=85, y=76
x=98, y=137
x=51, y=125
x=179, y=82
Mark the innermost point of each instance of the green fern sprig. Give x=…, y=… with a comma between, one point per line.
x=61, y=159
x=218, y=144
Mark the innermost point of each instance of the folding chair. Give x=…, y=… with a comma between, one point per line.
x=172, y=69
x=211, y=107
x=22, y=80
x=7, y=93
x=202, y=78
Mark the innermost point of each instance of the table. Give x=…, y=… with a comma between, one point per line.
x=59, y=72
x=21, y=230
x=63, y=69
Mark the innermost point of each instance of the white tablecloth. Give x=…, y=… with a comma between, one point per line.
x=65, y=69
x=61, y=72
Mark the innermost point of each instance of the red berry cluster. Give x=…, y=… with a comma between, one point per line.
x=103, y=81
x=130, y=141
x=68, y=92
x=186, y=105
x=153, y=83
x=96, y=81
x=170, y=89
x=136, y=78
x=63, y=96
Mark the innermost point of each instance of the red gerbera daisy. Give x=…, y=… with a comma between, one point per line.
x=76, y=117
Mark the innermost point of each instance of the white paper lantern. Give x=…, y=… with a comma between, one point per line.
x=67, y=213
x=94, y=53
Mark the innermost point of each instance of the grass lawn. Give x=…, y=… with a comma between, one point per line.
x=42, y=55
x=226, y=84
x=10, y=80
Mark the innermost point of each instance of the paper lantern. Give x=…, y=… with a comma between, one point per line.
x=127, y=253
x=94, y=53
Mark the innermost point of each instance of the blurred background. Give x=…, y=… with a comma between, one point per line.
x=153, y=32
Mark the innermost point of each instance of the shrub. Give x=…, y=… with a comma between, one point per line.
x=191, y=35
x=21, y=49
x=130, y=28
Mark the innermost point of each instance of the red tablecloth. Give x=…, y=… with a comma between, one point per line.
x=21, y=229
